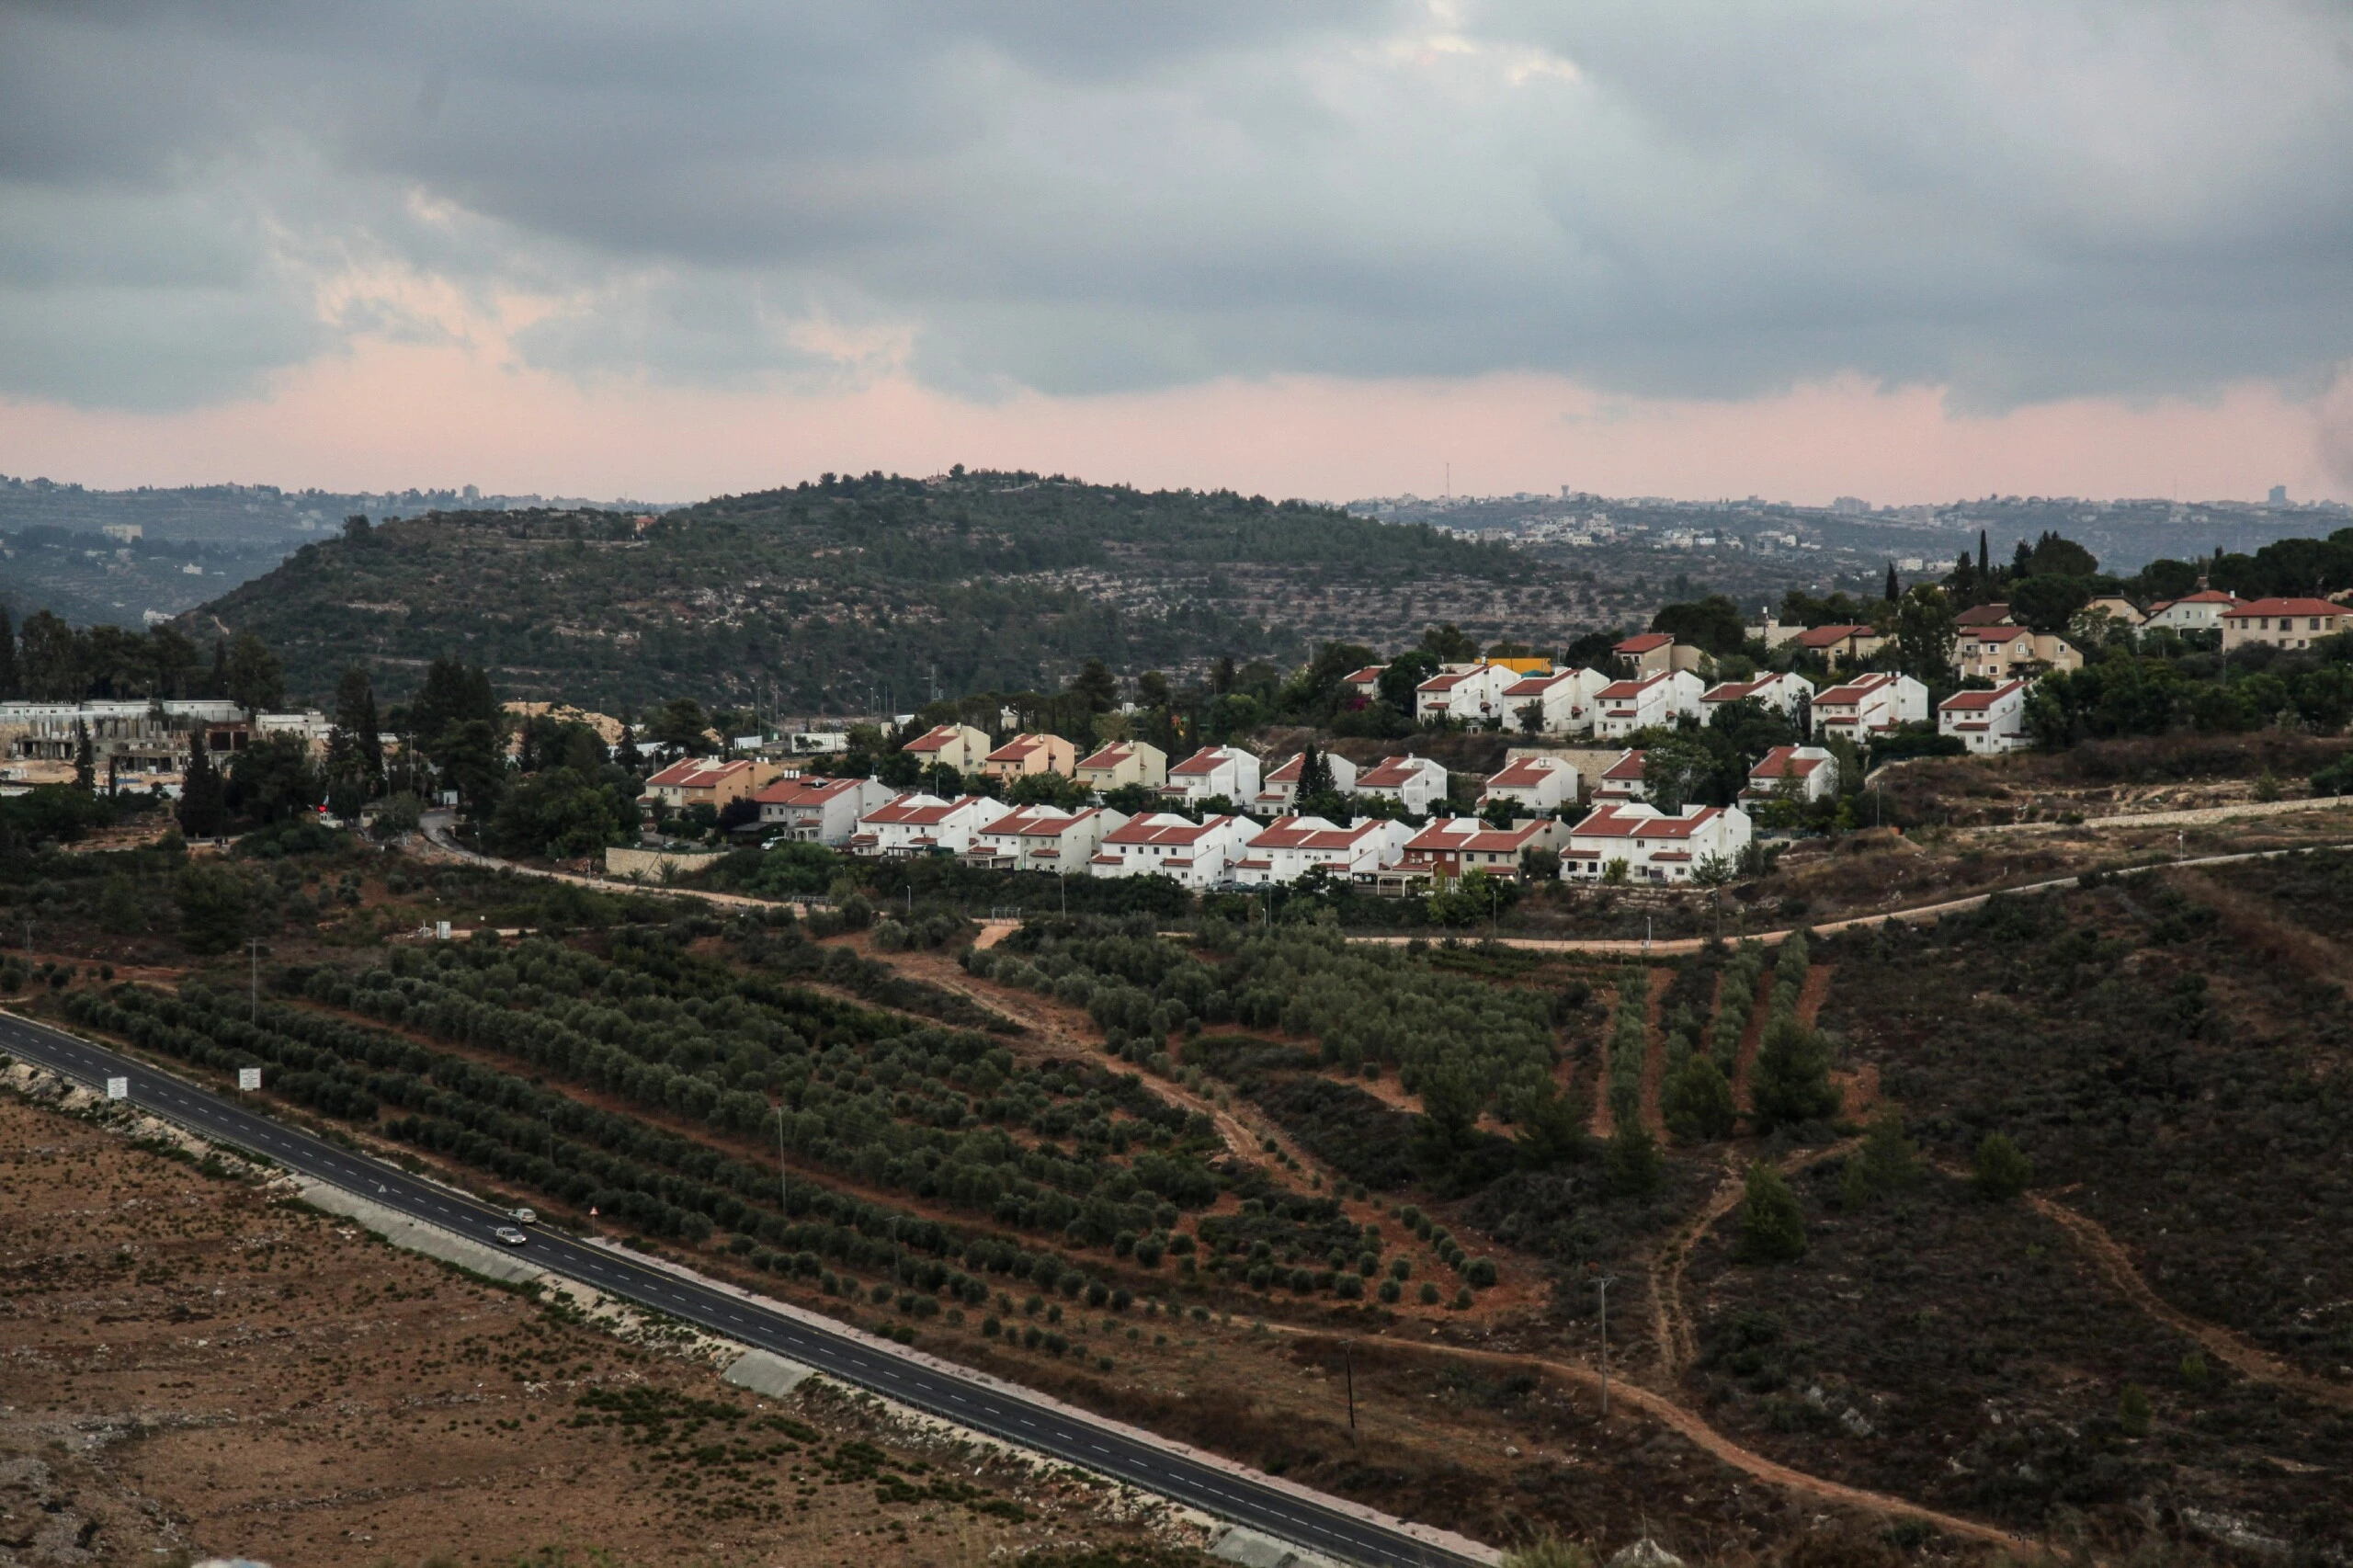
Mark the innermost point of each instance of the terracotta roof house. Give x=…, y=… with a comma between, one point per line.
x=2001, y=652
x=1842, y=644
x=1162, y=844
x=1781, y=693
x=1656, y=653
x=1624, y=706
x=1987, y=722
x=1279, y=794
x=702, y=781
x=1123, y=763
x=1415, y=782
x=1654, y=848
x=1453, y=846
x=921, y=825
x=1289, y=847
x=1041, y=838
x=2283, y=623
x=1534, y=784
x=1809, y=772
x=959, y=746
x=1227, y=771
x=1622, y=780
x=1564, y=700
x=1870, y=705
x=1025, y=755
x=2200, y=611
x=1993, y=614
x=818, y=811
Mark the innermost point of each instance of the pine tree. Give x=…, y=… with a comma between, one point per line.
x=1894, y=590
x=1315, y=774
x=1984, y=563
x=86, y=771
x=203, y=809
x=1772, y=1226
x=1791, y=1084
x=2002, y=1172
x=1699, y=1102
x=1635, y=1163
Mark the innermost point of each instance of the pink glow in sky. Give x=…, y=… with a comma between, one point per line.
x=391, y=416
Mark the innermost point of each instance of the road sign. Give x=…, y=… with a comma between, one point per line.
x=249, y=1078
x=118, y=1088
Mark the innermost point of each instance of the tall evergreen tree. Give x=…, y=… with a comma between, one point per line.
x=203, y=810
x=85, y=770
x=1772, y=1224
x=1314, y=773
x=10, y=681
x=1984, y=561
x=355, y=751
x=1894, y=590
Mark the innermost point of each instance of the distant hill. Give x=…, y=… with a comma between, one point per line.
x=861, y=595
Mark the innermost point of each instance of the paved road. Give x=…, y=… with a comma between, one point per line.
x=1322, y=1525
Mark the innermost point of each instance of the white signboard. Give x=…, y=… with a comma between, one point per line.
x=118, y=1088
x=248, y=1077
x=440, y=930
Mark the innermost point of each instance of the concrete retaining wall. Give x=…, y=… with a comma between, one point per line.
x=654, y=865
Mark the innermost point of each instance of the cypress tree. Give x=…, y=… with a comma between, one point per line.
x=1894, y=590
x=86, y=771
x=1984, y=561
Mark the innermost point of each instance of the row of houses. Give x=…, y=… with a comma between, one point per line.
x=138, y=743
x=1233, y=851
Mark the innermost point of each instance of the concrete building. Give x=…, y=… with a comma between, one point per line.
x=1454, y=847
x=959, y=746
x=1841, y=647
x=909, y=825
x=2002, y=652
x=1656, y=653
x=1213, y=773
x=1622, y=781
x=1564, y=699
x=1026, y=755
x=2200, y=611
x=709, y=781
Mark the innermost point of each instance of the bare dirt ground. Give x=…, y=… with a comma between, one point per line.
x=191, y=1363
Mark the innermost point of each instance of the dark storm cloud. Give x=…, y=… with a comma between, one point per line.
x=2024, y=200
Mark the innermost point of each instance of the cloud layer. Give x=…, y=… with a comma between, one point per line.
x=2017, y=202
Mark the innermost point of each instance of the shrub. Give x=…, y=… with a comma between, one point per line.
x=1390, y=1290
x=1430, y=1294
x=2002, y=1172
x=1772, y=1226
x=1482, y=1272
x=1636, y=1166
x=2134, y=1414
x=1699, y=1102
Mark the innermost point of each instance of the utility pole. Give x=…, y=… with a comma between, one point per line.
x=1348, y=1370
x=1604, y=1283
x=253, y=979
x=783, y=1176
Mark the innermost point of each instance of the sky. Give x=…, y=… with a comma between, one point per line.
x=1803, y=249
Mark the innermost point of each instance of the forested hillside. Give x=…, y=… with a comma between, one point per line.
x=856, y=595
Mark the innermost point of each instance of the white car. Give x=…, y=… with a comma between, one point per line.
x=510, y=1235
x=524, y=1216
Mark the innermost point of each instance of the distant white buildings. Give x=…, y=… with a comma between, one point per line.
x=1042, y=839
x=915, y=825
x=818, y=811
x=1650, y=845
x=1783, y=694
x=1214, y=772
x=1289, y=847
x=1563, y=699
x=1805, y=773
x=1622, y=781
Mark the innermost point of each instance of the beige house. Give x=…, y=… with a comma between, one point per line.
x=2116, y=607
x=1122, y=763
x=1025, y=755
x=1842, y=645
x=959, y=746
x=707, y=782
x=1656, y=653
x=2005, y=651
x=2283, y=623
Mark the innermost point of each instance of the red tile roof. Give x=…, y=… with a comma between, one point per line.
x=1975, y=702
x=695, y=773
x=1853, y=692
x=1526, y=772
x=1774, y=763
x=1369, y=675
x=1981, y=615
x=1392, y=772
x=1626, y=766
x=1829, y=636
x=1456, y=835
x=1032, y=821
x=916, y=811
x=2283, y=606
x=1312, y=833
x=803, y=792
x=1016, y=749
x=933, y=739
x=1161, y=828
x=1207, y=760
x=1645, y=643
x=1621, y=821
x=1734, y=690
x=1618, y=690
x=1111, y=755
x=1537, y=686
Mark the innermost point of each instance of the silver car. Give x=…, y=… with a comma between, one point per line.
x=510, y=1235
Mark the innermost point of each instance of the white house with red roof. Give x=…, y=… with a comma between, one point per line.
x=1364, y=685
x=2283, y=623
x=1565, y=697
x=707, y=781
x=1025, y=755
x=1214, y=770
x=1041, y=838
x=1782, y=693
x=1654, y=847
x=818, y=811
x=921, y=825
x=1624, y=706
x=1289, y=847
x=1472, y=693
x=2200, y=611
x=1622, y=781
x=1535, y=784
x=1987, y=722
x=959, y=746
x=1123, y=763
x=1811, y=773
x=1280, y=792
x=1870, y=705
x=1162, y=844
x=1454, y=847
x=1416, y=783
x=1656, y=653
